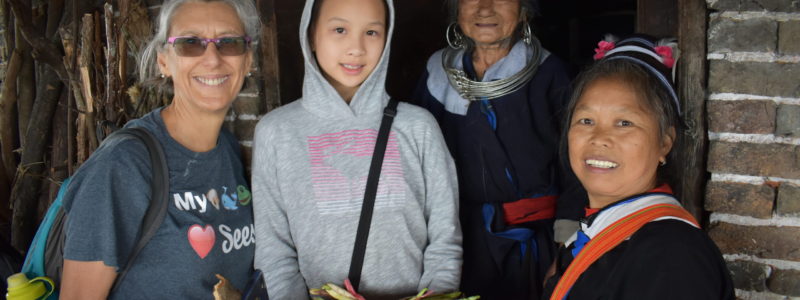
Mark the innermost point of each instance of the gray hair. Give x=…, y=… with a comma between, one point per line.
x=147, y=65
x=526, y=12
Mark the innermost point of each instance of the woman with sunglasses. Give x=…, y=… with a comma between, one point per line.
x=202, y=52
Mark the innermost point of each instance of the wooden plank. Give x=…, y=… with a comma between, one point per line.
x=658, y=18
x=692, y=82
x=269, y=63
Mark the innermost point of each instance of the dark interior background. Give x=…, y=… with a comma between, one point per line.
x=570, y=29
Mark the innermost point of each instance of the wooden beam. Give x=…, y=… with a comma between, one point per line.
x=269, y=64
x=658, y=18
x=692, y=82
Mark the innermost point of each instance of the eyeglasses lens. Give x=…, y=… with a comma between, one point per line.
x=192, y=46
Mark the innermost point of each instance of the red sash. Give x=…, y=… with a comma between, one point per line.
x=529, y=209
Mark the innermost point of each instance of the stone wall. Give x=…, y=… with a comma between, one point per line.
x=754, y=130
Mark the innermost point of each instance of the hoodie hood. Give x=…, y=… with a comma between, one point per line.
x=322, y=99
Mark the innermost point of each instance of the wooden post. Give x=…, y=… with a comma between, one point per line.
x=7, y=118
x=86, y=143
x=692, y=82
x=28, y=185
x=269, y=62
x=658, y=18
x=112, y=82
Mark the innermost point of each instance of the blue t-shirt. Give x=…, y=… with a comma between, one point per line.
x=208, y=228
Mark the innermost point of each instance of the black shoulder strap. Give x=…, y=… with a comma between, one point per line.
x=360, y=247
x=157, y=209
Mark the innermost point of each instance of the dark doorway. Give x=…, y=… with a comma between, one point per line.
x=570, y=29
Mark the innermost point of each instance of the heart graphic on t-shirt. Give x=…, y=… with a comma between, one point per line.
x=202, y=239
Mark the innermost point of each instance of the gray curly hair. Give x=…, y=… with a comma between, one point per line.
x=147, y=64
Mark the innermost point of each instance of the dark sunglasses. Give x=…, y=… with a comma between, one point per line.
x=195, y=46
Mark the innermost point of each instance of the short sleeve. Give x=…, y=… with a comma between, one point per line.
x=106, y=201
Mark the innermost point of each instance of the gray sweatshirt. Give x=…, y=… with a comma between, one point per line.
x=310, y=164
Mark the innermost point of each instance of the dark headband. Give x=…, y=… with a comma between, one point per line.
x=657, y=60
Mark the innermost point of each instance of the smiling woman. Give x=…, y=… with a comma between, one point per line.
x=615, y=143
x=636, y=241
x=202, y=52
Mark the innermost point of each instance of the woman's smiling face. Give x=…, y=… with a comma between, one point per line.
x=615, y=143
x=488, y=22
x=211, y=81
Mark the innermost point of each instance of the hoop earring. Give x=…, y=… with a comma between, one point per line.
x=458, y=39
x=527, y=36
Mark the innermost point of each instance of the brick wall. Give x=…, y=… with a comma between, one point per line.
x=754, y=130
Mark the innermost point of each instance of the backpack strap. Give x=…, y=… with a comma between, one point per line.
x=612, y=236
x=360, y=247
x=157, y=210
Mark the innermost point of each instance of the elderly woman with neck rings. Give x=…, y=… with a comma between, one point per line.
x=496, y=94
x=202, y=51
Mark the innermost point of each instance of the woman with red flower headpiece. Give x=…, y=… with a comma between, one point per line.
x=636, y=241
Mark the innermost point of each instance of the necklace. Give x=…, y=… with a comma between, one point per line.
x=476, y=90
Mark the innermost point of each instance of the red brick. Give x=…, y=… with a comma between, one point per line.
x=740, y=199
x=742, y=116
x=777, y=160
x=761, y=241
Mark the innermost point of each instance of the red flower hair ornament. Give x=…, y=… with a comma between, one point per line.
x=602, y=48
x=666, y=55
x=663, y=51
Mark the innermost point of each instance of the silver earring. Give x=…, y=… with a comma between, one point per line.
x=662, y=162
x=527, y=36
x=457, y=42
x=249, y=74
x=163, y=76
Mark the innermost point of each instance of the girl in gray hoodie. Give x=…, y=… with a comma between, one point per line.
x=311, y=159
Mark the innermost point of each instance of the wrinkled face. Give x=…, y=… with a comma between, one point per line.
x=488, y=21
x=209, y=82
x=348, y=40
x=614, y=142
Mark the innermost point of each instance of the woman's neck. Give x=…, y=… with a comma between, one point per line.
x=194, y=130
x=487, y=55
x=601, y=200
